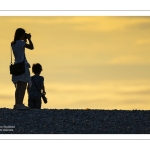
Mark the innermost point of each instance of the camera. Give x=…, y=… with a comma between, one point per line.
x=44, y=98
x=27, y=35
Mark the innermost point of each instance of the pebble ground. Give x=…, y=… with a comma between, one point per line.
x=74, y=121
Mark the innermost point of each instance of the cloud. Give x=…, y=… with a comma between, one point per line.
x=6, y=97
x=142, y=25
x=135, y=102
x=84, y=23
x=143, y=41
x=128, y=59
x=107, y=24
x=92, y=103
x=138, y=92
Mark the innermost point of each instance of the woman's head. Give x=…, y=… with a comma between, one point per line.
x=20, y=33
x=36, y=68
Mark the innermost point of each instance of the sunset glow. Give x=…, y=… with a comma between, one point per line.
x=95, y=62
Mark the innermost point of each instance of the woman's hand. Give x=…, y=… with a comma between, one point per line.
x=29, y=36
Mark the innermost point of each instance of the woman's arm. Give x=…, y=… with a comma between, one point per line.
x=30, y=45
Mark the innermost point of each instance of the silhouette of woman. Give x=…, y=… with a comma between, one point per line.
x=18, y=46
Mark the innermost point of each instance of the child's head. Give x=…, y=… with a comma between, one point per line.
x=36, y=68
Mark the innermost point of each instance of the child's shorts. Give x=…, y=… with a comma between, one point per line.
x=34, y=102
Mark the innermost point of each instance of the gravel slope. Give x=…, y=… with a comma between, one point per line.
x=74, y=121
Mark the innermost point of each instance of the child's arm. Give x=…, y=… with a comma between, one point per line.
x=43, y=88
x=28, y=88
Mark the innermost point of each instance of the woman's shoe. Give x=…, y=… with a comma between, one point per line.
x=21, y=107
x=15, y=107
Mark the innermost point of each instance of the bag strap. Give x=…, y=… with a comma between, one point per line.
x=35, y=85
x=11, y=55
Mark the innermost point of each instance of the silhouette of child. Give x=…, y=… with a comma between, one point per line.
x=37, y=88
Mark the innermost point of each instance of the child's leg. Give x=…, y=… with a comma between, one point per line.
x=31, y=103
x=38, y=102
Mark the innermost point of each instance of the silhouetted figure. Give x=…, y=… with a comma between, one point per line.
x=18, y=46
x=37, y=89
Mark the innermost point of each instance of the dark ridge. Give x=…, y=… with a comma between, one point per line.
x=74, y=121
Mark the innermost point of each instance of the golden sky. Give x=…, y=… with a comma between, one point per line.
x=95, y=62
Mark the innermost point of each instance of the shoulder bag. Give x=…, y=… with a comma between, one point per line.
x=18, y=68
